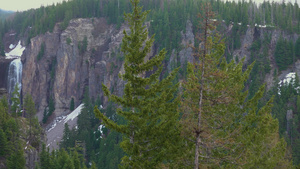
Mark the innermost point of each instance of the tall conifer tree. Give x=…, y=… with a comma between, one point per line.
x=148, y=104
x=225, y=129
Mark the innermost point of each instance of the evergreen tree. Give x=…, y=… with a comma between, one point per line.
x=45, y=117
x=151, y=133
x=3, y=143
x=29, y=108
x=15, y=102
x=16, y=160
x=3, y=111
x=45, y=158
x=67, y=141
x=225, y=129
x=72, y=104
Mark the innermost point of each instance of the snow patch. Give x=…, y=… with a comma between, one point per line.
x=11, y=46
x=74, y=114
x=100, y=128
x=290, y=77
x=16, y=52
x=57, y=120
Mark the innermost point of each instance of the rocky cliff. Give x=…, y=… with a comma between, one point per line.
x=87, y=54
x=67, y=66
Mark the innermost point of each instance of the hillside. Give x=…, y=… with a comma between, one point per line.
x=74, y=47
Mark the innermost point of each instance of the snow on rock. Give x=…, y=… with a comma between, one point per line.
x=100, y=128
x=57, y=120
x=16, y=52
x=74, y=114
x=11, y=46
x=288, y=78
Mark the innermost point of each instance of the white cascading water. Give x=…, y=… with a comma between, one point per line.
x=15, y=67
x=14, y=75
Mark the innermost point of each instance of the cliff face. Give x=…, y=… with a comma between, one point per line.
x=87, y=54
x=68, y=66
x=4, y=66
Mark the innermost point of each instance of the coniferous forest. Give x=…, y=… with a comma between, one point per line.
x=213, y=112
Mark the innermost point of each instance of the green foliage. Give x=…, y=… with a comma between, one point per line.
x=67, y=139
x=52, y=68
x=12, y=140
x=41, y=52
x=49, y=110
x=3, y=143
x=93, y=138
x=68, y=40
x=221, y=126
x=287, y=98
x=34, y=127
x=284, y=54
x=60, y=159
x=15, y=102
x=82, y=46
x=16, y=160
x=45, y=117
x=148, y=106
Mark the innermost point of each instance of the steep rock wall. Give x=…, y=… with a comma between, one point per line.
x=64, y=71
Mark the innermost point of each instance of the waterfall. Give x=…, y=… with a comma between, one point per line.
x=14, y=76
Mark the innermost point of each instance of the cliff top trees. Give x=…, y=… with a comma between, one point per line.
x=148, y=104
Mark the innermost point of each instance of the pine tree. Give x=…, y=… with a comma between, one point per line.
x=45, y=158
x=16, y=160
x=223, y=127
x=15, y=102
x=3, y=111
x=66, y=140
x=148, y=105
x=3, y=143
x=29, y=108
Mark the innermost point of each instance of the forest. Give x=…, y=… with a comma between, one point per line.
x=212, y=113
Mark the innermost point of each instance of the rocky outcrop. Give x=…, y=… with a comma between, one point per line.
x=67, y=68
x=247, y=41
x=186, y=54
x=4, y=66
